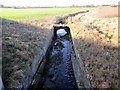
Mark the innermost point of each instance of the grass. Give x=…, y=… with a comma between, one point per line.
x=98, y=50
x=20, y=44
x=107, y=12
x=35, y=13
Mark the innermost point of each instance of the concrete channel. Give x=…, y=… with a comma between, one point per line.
x=61, y=67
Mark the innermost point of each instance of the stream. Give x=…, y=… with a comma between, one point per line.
x=58, y=72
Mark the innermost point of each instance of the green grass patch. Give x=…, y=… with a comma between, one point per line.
x=36, y=13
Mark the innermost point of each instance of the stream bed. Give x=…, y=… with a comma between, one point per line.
x=58, y=72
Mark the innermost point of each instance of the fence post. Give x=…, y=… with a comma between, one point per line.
x=71, y=18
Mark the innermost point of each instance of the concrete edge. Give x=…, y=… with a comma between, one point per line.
x=74, y=14
x=39, y=70
x=79, y=69
x=1, y=84
x=62, y=20
x=29, y=76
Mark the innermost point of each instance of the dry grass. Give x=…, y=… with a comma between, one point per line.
x=21, y=43
x=106, y=12
x=97, y=43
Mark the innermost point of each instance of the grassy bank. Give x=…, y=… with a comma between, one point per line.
x=96, y=38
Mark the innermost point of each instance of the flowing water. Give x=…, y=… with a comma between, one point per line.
x=58, y=72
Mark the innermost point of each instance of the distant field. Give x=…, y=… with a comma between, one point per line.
x=35, y=13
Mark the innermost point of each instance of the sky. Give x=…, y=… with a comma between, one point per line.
x=55, y=2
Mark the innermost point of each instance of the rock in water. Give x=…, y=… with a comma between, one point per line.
x=61, y=32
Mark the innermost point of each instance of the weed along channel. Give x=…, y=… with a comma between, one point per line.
x=57, y=71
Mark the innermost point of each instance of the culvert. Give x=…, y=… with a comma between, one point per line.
x=60, y=68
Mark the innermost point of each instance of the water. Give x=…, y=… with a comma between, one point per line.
x=58, y=71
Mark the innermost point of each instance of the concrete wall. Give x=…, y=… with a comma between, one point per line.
x=1, y=83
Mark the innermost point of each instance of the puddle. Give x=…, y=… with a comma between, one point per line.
x=58, y=72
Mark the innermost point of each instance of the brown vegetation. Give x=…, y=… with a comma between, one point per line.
x=106, y=12
x=97, y=42
x=21, y=42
